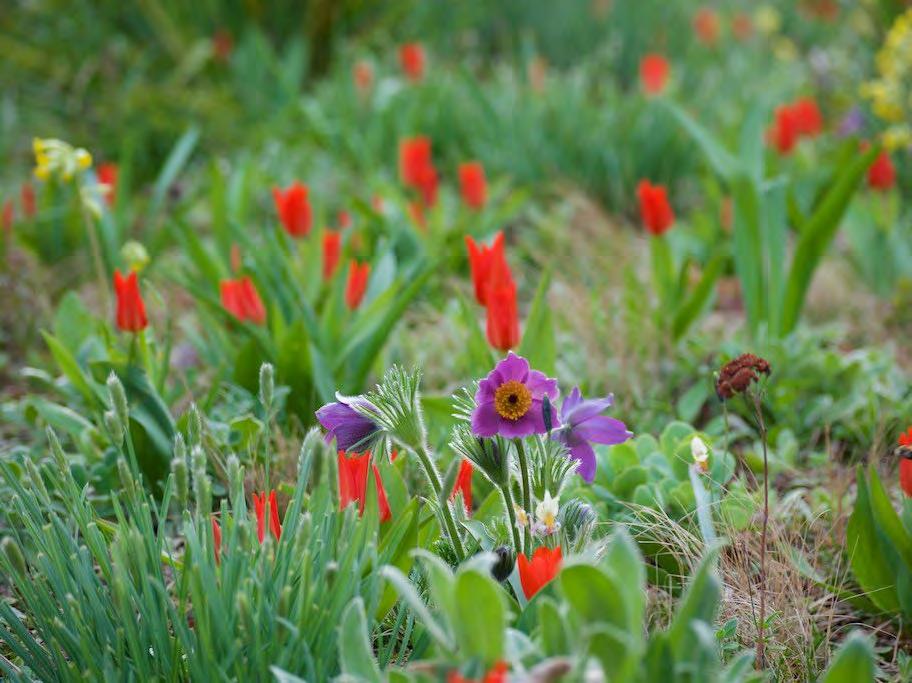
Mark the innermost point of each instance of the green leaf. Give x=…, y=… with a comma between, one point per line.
x=174, y=164
x=700, y=296
x=721, y=160
x=817, y=234
x=699, y=604
x=71, y=370
x=538, y=343
x=853, y=663
x=480, y=616
x=356, y=658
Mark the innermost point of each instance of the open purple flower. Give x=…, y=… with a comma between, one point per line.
x=346, y=425
x=509, y=400
x=583, y=425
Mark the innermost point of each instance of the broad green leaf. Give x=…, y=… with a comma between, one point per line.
x=356, y=658
x=480, y=616
x=538, y=344
x=853, y=663
x=699, y=604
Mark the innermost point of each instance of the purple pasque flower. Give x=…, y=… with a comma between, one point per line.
x=509, y=400
x=583, y=424
x=346, y=425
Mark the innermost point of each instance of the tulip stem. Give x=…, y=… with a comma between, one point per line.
x=445, y=511
x=96, y=257
x=527, y=495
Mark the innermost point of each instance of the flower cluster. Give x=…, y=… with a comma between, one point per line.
x=738, y=374
x=891, y=92
x=59, y=159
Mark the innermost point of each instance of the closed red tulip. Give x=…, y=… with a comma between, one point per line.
x=497, y=674
x=293, y=207
x=502, y=327
x=655, y=211
x=332, y=249
x=107, y=176
x=131, y=311
x=414, y=159
x=882, y=173
x=216, y=540
x=29, y=204
x=536, y=573
x=363, y=76
x=472, y=184
x=783, y=134
x=264, y=508
x=241, y=299
x=464, y=484
x=654, y=70
x=808, y=119
x=706, y=26
x=482, y=261
x=353, y=472
x=356, y=285
x=412, y=61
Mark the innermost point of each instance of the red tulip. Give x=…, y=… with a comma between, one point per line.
x=8, y=216
x=356, y=284
x=29, y=205
x=783, y=134
x=216, y=539
x=472, y=184
x=353, y=483
x=655, y=211
x=502, y=326
x=706, y=26
x=332, y=248
x=464, y=485
x=222, y=45
x=363, y=76
x=411, y=59
x=498, y=674
x=131, y=311
x=107, y=176
x=427, y=186
x=414, y=159
x=294, y=209
x=742, y=26
x=654, y=69
x=808, y=119
x=482, y=261
x=241, y=299
x=260, y=505
x=535, y=574
x=882, y=173
x=905, y=462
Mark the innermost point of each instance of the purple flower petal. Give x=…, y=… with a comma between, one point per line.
x=582, y=452
x=603, y=429
x=485, y=420
x=586, y=409
x=540, y=385
x=344, y=424
x=571, y=400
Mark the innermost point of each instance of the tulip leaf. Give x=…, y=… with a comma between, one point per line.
x=480, y=616
x=355, y=654
x=538, y=343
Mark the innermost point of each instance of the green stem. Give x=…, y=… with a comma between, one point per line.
x=511, y=513
x=527, y=494
x=96, y=257
x=447, y=514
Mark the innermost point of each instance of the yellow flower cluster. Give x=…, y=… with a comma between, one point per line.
x=891, y=92
x=56, y=158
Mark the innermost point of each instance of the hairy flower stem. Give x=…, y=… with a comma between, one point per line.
x=95, y=246
x=434, y=478
x=761, y=645
x=527, y=494
x=511, y=513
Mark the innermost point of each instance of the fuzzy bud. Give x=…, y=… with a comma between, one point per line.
x=181, y=479
x=267, y=385
x=57, y=451
x=126, y=476
x=503, y=567
x=36, y=478
x=194, y=425
x=115, y=427
x=13, y=553
x=235, y=476
x=118, y=398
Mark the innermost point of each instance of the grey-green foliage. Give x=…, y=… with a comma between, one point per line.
x=144, y=598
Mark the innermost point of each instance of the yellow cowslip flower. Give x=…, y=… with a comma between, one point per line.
x=56, y=158
x=785, y=49
x=767, y=20
x=890, y=93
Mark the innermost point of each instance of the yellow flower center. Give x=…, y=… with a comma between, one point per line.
x=512, y=400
